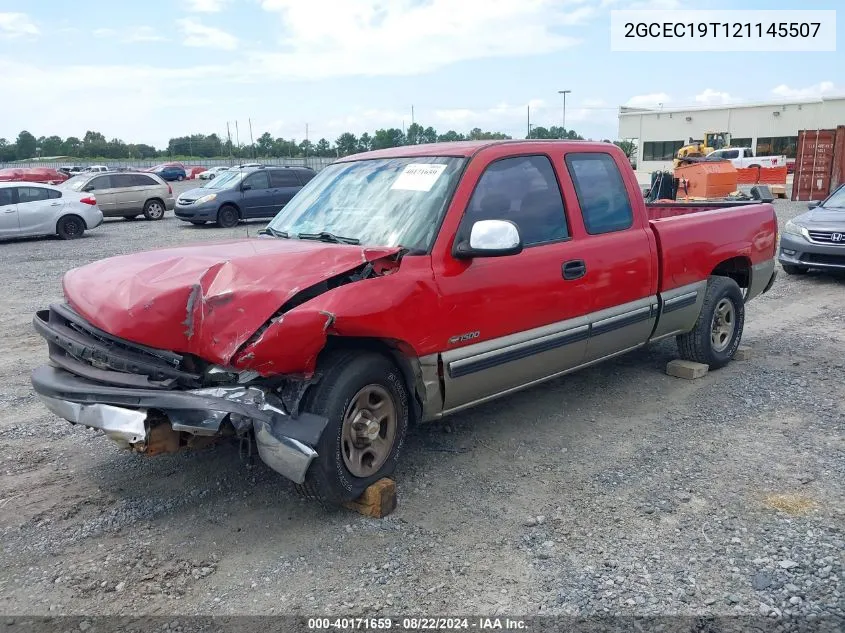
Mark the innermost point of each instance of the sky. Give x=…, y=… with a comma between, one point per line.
x=145, y=71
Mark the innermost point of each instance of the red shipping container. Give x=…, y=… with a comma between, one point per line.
x=820, y=163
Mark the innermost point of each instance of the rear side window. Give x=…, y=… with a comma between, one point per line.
x=140, y=180
x=6, y=196
x=524, y=190
x=32, y=194
x=283, y=178
x=604, y=201
x=54, y=193
x=120, y=181
x=258, y=180
x=305, y=176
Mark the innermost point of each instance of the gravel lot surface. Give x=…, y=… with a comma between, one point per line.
x=617, y=490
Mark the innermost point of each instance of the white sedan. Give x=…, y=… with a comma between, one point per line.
x=211, y=173
x=31, y=209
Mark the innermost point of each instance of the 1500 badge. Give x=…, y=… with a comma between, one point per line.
x=463, y=338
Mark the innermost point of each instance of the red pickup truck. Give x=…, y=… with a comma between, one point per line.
x=399, y=286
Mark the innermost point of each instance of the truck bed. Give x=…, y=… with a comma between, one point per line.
x=694, y=239
x=659, y=210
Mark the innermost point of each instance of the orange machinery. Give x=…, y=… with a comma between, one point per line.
x=706, y=180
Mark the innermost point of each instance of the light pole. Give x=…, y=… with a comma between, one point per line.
x=563, y=128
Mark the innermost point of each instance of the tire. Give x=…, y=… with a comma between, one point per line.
x=792, y=269
x=180, y=178
x=154, y=210
x=718, y=331
x=227, y=216
x=350, y=378
x=70, y=227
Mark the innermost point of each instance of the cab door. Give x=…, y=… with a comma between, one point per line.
x=616, y=247
x=8, y=211
x=513, y=320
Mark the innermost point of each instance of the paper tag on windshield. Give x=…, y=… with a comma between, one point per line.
x=418, y=177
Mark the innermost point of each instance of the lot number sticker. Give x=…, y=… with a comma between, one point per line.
x=418, y=177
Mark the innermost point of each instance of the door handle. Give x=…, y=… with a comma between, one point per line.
x=574, y=269
x=55, y=204
x=10, y=211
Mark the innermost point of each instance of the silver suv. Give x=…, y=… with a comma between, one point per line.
x=126, y=194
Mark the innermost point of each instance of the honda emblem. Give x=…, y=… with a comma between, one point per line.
x=837, y=237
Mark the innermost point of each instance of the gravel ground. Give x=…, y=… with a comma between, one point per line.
x=617, y=490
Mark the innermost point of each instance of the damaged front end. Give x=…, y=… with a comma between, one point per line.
x=156, y=401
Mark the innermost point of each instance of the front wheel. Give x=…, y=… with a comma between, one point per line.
x=718, y=331
x=180, y=178
x=365, y=399
x=227, y=217
x=792, y=269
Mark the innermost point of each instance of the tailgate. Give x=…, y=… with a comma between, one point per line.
x=692, y=244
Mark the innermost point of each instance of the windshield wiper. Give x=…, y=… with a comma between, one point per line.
x=325, y=236
x=274, y=232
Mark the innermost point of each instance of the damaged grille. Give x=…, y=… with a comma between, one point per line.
x=82, y=349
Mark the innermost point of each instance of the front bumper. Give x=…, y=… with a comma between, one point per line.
x=196, y=212
x=798, y=251
x=128, y=392
x=123, y=414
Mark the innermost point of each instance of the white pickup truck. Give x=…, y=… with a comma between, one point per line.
x=743, y=157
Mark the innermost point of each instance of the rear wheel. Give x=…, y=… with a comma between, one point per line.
x=70, y=227
x=792, y=269
x=227, y=216
x=717, y=333
x=180, y=178
x=365, y=399
x=153, y=210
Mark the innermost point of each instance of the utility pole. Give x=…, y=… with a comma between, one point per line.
x=306, y=145
x=563, y=127
x=229, y=136
x=251, y=142
x=237, y=137
x=412, y=115
x=529, y=122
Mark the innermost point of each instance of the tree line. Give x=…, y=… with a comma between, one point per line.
x=94, y=145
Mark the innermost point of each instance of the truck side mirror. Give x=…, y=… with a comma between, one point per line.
x=813, y=204
x=490, y=238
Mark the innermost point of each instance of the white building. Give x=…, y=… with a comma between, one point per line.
x=768, y=128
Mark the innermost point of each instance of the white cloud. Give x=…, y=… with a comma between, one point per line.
x=143, y=34
x=816, y=90
x=405, y=37
x=652, y=100
x=132, y=35
x=201, y=36
x=206, y=6
x=15, y=25
x=714, y=97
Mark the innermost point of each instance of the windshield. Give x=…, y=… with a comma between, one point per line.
x=225, y=180
x=75, y=183
x=836, y=201
x=379, y=202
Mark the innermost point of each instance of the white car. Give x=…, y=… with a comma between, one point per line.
x=32, y=209
x=211, y=173
x=743, y=157
x=95, y=168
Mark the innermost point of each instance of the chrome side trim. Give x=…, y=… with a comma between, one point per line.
x=620, y=327
x=761, y=275
x=538, y=381
x=679, y=310
x=519, y=351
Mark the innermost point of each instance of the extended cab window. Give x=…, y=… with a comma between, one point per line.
x=524, y=190
x=601, y=192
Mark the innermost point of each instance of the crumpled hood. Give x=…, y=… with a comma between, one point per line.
x=206, y=299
